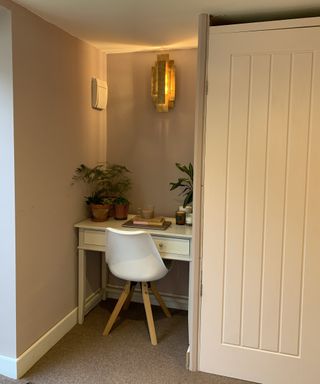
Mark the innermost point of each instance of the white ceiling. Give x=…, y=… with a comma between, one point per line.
x=136, y=25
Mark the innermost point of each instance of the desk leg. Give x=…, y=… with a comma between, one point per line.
x=81, y=284
x=103, y=276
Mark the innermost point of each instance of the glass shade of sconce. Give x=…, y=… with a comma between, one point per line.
x=163, y=83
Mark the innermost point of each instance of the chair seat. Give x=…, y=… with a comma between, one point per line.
x=132, y=270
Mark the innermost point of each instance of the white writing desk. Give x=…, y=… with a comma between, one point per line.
x=173, y=243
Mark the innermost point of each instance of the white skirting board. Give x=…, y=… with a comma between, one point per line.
x=46, y=342
x=8, y=367
x=93, y=300
x=19, y=366
x=15, y=368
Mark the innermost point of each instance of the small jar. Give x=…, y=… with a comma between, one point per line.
x=189, y=218
x=180, y=218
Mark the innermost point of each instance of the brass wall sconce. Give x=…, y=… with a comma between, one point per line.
x=163, y=87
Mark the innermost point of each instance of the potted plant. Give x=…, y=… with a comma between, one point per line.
x=111, y=180
x=121, y=208
x=185, y=183
x=107, y=181
x=115, y=180
x=99, y=206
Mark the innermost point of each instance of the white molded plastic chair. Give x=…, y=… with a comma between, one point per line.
x=133, y=256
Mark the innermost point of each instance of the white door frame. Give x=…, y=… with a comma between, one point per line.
x=195, y=266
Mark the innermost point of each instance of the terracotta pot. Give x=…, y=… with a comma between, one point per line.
x=99, y=212
x=121, y=211
x=111, y=210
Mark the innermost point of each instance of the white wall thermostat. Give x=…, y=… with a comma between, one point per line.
x=99, y=94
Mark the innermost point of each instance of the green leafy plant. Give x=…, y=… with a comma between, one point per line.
x=185, y=183
x=107, y=180
x=120, y=201
x=94, y=198
x=116, y=180
x=89, y=175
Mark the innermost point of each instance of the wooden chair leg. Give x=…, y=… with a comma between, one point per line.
x=159, y=299
x=128, y=300
x=117, y=308
x=147, y=307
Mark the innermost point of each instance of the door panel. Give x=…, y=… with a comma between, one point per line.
x=261, y=215
x=255, y=176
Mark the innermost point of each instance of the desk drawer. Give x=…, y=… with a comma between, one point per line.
x=94, y=238
x=175, y=246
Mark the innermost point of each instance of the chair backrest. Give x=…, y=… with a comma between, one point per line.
x=133, y=255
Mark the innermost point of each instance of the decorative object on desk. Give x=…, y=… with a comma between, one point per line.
x=188, y=213
x=99, y=206
x=148, y=225
x=99, y=212
x=155, y=221
x=185, y=183
x=180, y=217
x=107, y=181
x=189, y=218
x=121, y=208
x=163, y=85
x=186, y=209
x=147, y=212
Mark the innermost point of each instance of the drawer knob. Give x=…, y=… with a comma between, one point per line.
x=160, y=245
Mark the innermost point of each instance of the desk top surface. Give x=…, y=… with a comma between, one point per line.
x=183, y=231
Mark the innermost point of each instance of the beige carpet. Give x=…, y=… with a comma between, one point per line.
x=126, y=356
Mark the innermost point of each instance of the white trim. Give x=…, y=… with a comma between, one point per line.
x=93, y=300
x=306, y=22
x=8, y=367
x=199, y=149
x=46, y=342
x=171, y=301
x=17, y=367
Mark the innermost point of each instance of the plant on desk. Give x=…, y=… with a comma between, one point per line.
x=185, y=183
x=121, y=208
x=108, y=182
x=99, y=206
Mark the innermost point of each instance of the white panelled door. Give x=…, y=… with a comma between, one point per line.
x=260, y=308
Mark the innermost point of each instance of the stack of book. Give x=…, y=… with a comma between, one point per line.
x=154, y=222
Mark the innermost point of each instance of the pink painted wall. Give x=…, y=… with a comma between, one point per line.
x=55, y=129
x=149, y=143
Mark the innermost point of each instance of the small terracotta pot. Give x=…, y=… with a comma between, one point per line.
x=99, y=212
x=121, y=211
x=111, y=210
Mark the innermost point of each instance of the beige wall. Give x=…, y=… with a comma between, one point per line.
x=147, y=141
x=55, y=130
